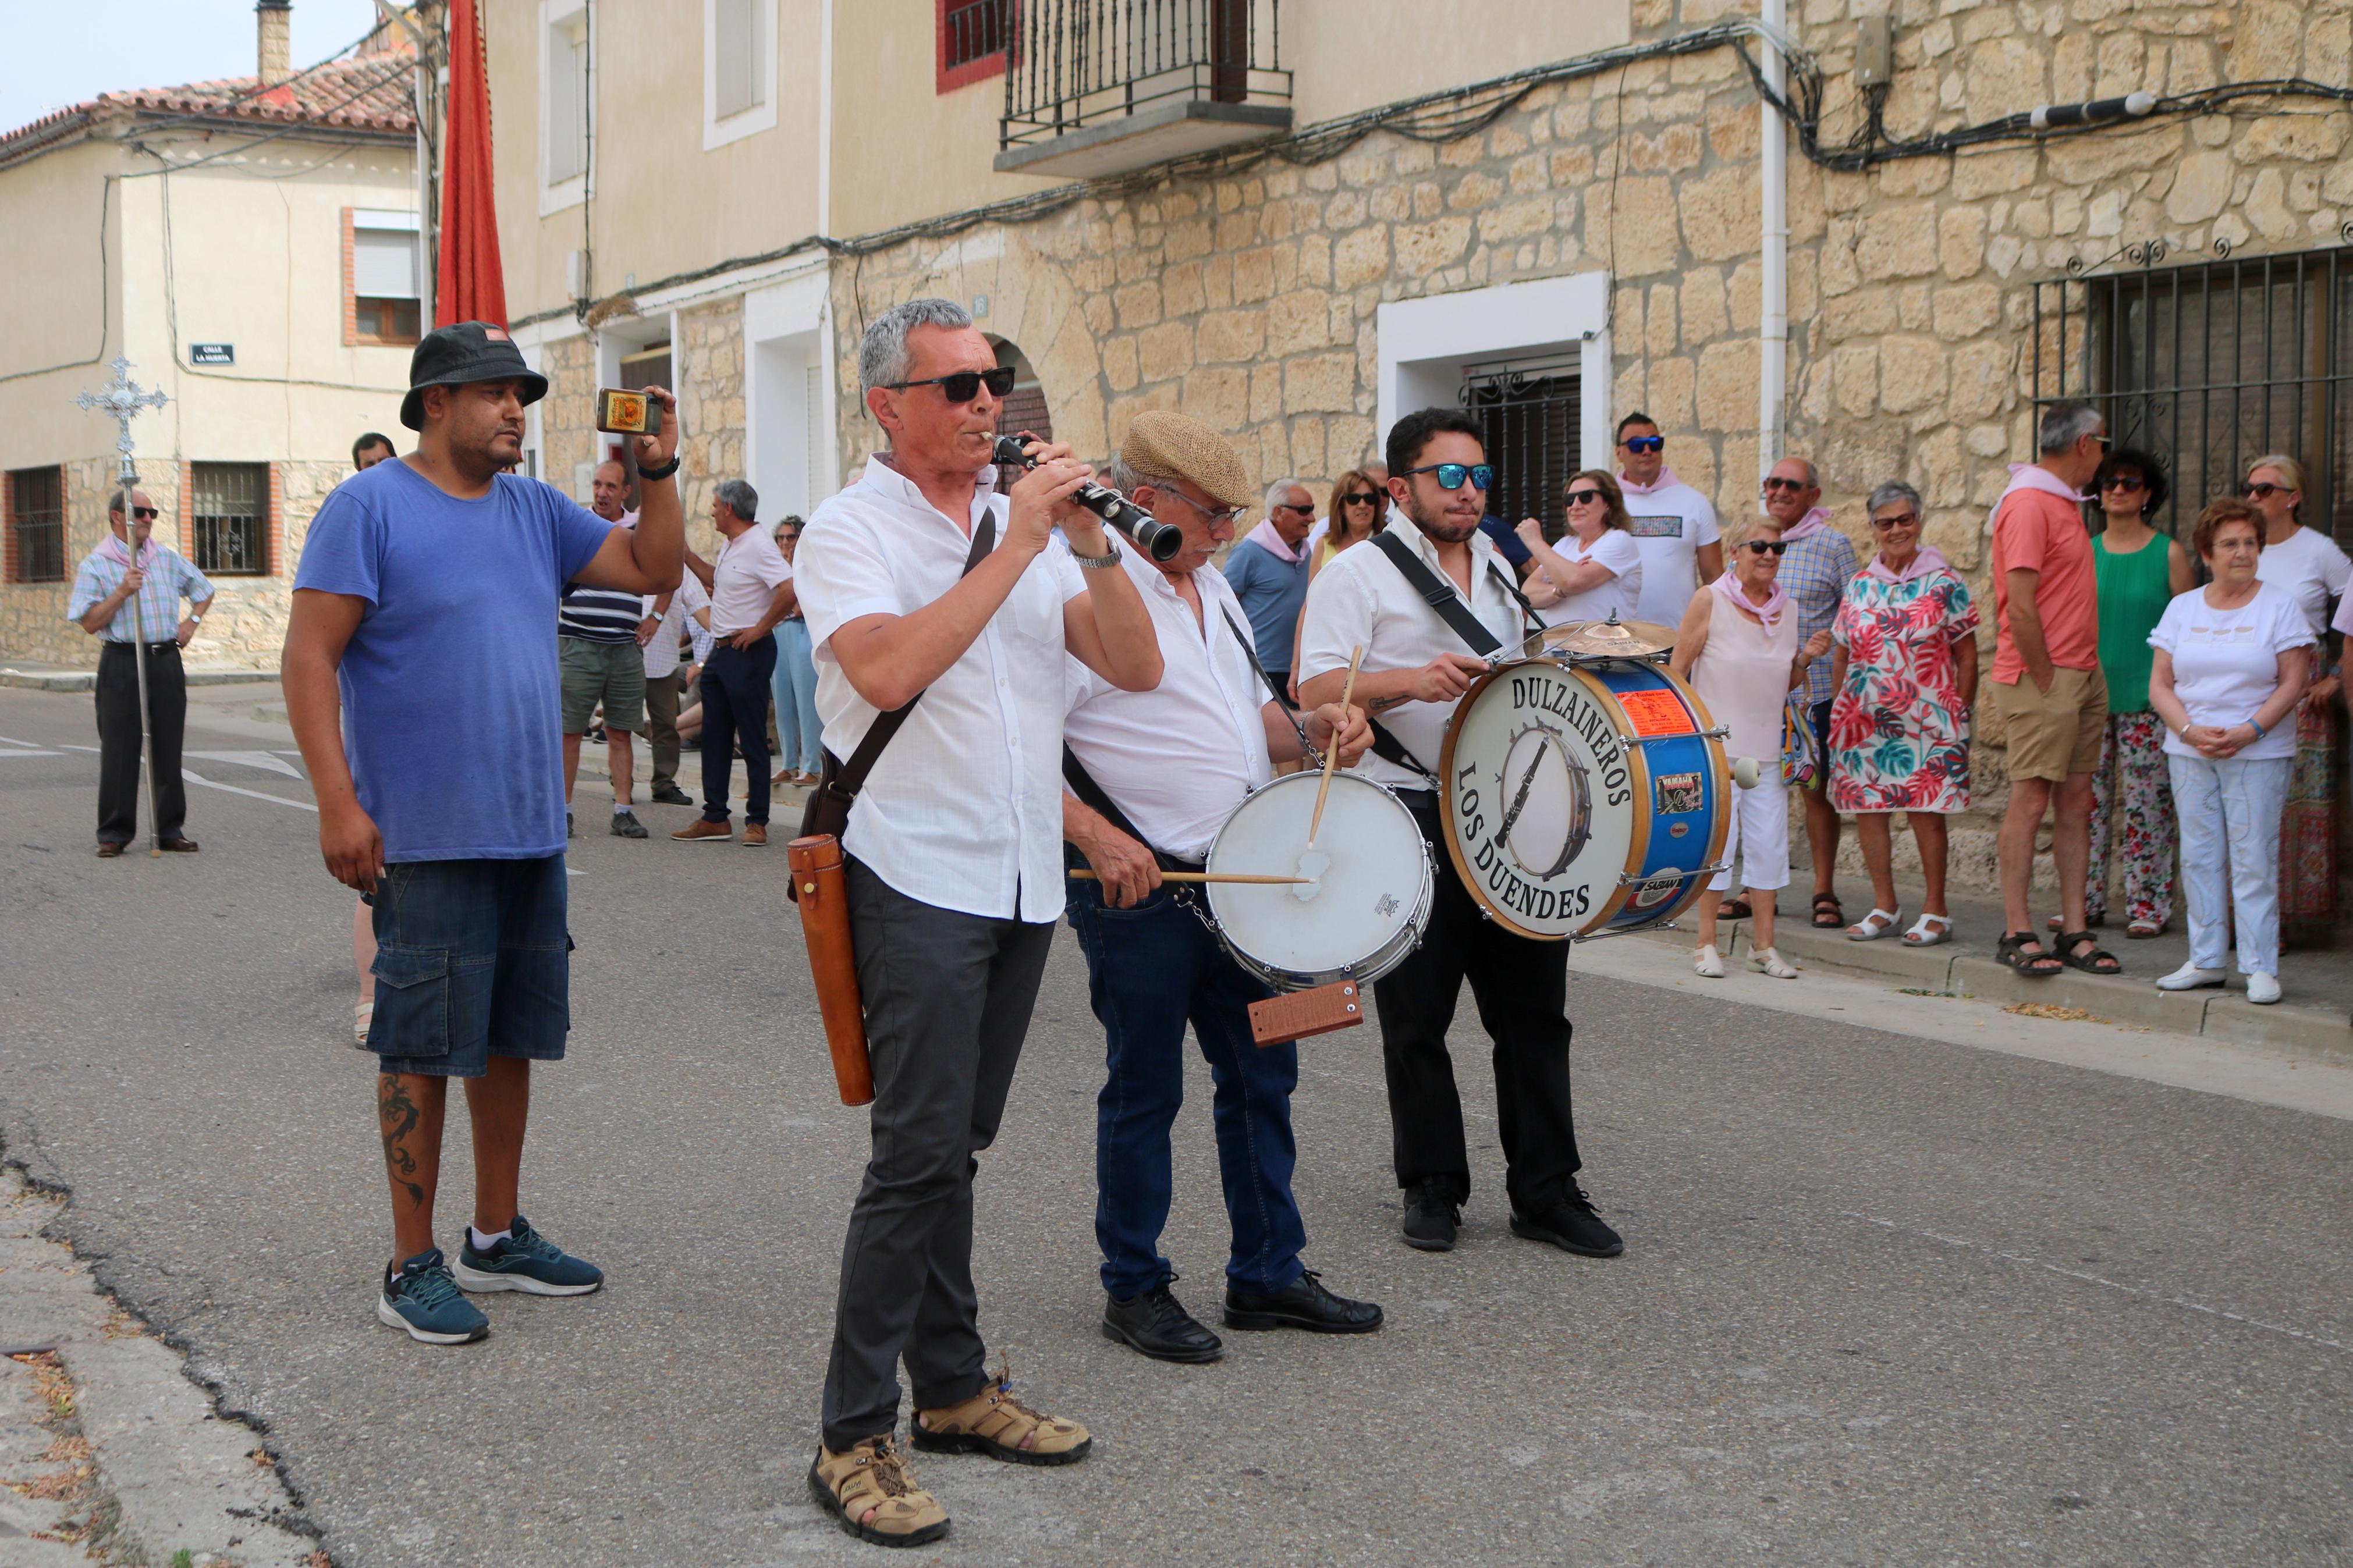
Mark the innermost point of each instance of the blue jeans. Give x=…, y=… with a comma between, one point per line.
x=2229, y=815
x=1150, y=969
x=796, y=684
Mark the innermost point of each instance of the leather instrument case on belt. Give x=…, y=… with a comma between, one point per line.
x=819, y=887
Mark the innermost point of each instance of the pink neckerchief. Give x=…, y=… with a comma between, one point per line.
x=1813, y=522
x=1265, y=537
x=1927, y=559
x=1768, y=612
x=113, y=550
x=1666, y=481
x=2033, y=477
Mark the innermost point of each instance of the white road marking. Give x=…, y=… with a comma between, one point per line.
x=31, y=753
x=2028, y=1257
x=265, y=761
x=198, y=778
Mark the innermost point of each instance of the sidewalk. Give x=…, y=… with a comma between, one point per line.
x=2311, y=1019
x=63, y=677
x=108, y=1453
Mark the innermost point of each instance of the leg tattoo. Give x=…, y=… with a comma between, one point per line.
x=397, y=1116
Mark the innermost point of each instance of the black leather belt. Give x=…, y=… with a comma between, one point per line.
x=126, y=645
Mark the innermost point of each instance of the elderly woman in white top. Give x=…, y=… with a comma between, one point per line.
x=1596, y=571
x=2231, y=665
x=2306, y=564
x=1738, y=646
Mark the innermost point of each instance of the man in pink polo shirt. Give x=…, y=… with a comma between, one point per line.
x=2047, y=684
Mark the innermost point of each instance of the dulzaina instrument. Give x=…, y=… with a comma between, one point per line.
x=1586, y=789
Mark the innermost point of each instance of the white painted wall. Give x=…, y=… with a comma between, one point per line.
x=1423, y=344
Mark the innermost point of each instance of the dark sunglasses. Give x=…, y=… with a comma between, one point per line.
x=1780, y=484
x=1582, y=497
x=2252, y=489
x=1759, y=546
x=1301, y=510
x=1901, y=519
x=143, y=513
x=964, y=385
x=1361, y=498
x=1646, y=443
x=1452, y=475
x=2126, y=482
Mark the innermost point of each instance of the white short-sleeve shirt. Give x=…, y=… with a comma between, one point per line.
x=963, y=811
x=1177, y=759
x=1617, y=549
x=2312, y=571
x=746, y=577
x=1669, y=524
x=1361, y=599
x=2226, y=663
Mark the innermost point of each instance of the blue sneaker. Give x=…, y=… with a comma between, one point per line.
x=526, y=1261
x=422, y=1301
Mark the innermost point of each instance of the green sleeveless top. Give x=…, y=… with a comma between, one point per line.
x=2133, y=592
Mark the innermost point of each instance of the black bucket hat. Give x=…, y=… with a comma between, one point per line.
x=462, y=354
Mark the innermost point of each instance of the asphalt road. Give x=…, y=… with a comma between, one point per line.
x=1886, y=1299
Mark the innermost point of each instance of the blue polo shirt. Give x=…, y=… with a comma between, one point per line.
x=1271, y=591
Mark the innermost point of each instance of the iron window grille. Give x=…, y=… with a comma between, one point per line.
x=1077, y=63
x=974, y=30
x=36, y=511
x=1529, y=412
x=230, y=509
x=2210, y=365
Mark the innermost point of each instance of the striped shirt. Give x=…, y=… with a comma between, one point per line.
x=169, y=575
x=1816, y=572
x=601, y=615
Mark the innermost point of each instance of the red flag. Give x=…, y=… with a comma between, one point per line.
x=469, y=285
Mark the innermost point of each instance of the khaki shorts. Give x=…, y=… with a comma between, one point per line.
x=613, y=673
x=2057, y=732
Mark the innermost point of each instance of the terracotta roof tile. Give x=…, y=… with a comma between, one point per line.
x=369, y=94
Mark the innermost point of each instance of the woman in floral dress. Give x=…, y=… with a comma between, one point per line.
x=1905, y=673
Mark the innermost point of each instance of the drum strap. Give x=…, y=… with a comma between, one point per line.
x=1281, y=698
x=1082, y=784
x=1441, y=596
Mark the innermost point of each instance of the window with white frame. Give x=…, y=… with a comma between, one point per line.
x=739, y=69
x=384, y=265
x=565, y=132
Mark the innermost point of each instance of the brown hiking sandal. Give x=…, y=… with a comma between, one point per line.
x=872, y=1479
x=994, y=1422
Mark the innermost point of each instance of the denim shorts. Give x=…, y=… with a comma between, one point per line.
x=472, y=960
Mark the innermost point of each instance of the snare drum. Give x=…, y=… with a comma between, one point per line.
x=1584, y=797
x=1369, y=904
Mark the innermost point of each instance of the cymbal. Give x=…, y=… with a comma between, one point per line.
x=1612, y=638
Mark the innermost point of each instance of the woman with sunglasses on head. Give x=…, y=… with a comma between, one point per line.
x=1905, y=673
x=2140, y=572
x=2231, y=665
x=2307, y=565
x=1738, y=647
x=1596, y=571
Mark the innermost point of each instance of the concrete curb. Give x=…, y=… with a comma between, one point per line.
x=2228, y=1017
x=87, y=679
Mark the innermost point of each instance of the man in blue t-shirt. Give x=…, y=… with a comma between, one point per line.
x=437, y=574
x=1268, y=573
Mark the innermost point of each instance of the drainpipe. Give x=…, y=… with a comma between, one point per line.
x=1773, y=346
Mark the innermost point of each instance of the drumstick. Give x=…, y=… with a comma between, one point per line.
x=1206, y=876
x=1332, y=757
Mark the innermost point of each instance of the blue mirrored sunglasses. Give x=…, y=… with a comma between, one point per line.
x=1452, y=475
x=1646, y=443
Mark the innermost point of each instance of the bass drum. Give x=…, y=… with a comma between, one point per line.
x=1583, y=797
x=1367, y=905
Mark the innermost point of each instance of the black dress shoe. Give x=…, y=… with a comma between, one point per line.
x=670, y=794
x=178, y=846
x=1155, y=1323
x=1570, y=1225
x=1304, y=1304
x=1431, y=1218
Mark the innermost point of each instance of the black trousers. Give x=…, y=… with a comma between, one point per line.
x=1522, y=991
x=735, y=705
x=947, y=1002
x=117, y=740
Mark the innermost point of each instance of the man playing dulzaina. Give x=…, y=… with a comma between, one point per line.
x=421, y=682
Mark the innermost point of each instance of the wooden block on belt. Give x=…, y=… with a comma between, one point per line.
x=1295, y=1015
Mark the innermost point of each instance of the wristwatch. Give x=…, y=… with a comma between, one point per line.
x=665, y=471
x=1110, y=557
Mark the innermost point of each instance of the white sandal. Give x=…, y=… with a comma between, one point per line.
x=1771, y=962
x=362, y=1014
x=1706, y=963
x=1920, y=936
x=1875, y=925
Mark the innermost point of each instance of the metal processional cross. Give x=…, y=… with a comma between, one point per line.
x=123, y=400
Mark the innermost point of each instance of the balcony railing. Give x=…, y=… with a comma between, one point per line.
x=1104, y=85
